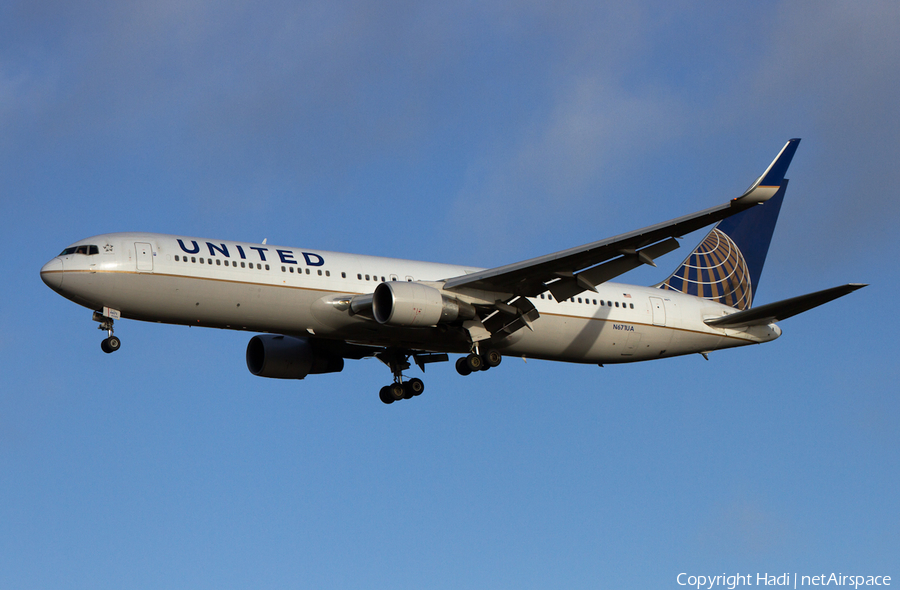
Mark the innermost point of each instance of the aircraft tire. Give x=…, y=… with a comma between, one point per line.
x=474, y=362
x=104, y=346
x=415, y=386
x=385, y=395
x=113, y=343
x=462, y=366
x=492, y=358
x=396, y=391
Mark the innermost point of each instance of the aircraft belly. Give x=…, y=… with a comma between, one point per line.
x=245, y=306
x=602, y=340
x=194, y=301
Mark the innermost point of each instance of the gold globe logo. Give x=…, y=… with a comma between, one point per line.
x=717, y=271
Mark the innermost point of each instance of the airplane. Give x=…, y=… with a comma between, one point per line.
x=313, y=309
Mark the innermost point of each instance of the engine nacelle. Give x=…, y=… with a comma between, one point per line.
x=416, y=305
x=284, y=357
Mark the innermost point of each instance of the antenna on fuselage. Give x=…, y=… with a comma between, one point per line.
x=264, y=241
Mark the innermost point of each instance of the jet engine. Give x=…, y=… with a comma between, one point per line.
x=415, y=305
x=284, y=357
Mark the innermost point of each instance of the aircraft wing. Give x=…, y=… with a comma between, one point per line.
x=780, y=310
x=578, y=269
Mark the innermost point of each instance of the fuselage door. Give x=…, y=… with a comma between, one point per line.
x=144, y=252
x=658, y=307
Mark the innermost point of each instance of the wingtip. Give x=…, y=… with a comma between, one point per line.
x=768, y=184
x=777, y=170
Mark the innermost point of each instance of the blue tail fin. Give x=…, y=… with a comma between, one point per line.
x=727, y=264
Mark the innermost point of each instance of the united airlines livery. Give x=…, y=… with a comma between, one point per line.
x=314, y=309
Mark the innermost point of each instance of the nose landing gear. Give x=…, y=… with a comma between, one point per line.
x=110, y=343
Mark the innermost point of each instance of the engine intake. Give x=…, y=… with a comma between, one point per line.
x=416, y=305
x=284, y=357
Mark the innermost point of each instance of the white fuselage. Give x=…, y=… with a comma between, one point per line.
x=292, y=291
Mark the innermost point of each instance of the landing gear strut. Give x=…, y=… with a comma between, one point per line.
x=110, y=343
x=398, y=362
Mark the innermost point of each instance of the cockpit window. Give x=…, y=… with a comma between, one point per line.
x=84, y=249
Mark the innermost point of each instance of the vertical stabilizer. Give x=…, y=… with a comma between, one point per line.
x=727, y=264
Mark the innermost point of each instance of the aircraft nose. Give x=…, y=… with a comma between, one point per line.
x=52, y=274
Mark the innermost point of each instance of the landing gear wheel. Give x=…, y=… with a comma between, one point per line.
x=462, y=367
x=492, y=358
x=110, y=344
x=396, y=391
x=385, y=395
x=474, y=362
x=414, y=387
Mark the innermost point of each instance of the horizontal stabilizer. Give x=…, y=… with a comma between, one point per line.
x=780, y=310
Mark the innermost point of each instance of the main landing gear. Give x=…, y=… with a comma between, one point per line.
x=466, y=365
x=398, y=362
x=111, y=343
x=400, y=390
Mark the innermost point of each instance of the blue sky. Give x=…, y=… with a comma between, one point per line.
x=473, y=133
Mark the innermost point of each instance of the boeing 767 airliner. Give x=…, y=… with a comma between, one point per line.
x=317, y=308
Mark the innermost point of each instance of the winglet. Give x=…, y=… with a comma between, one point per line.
x=768, y=184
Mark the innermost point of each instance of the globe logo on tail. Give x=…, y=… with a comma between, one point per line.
x=715, y=270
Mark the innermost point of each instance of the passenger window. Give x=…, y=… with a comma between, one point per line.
x=201, y=261
x=359, y=276
x=176, y=258
x=218, y=262
x=367, y=277
x=242, y=264
x=267, y=267
x=617, y=304
x=632, y=305
x=343, y=275
x=327, y=273
x=320, y=272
